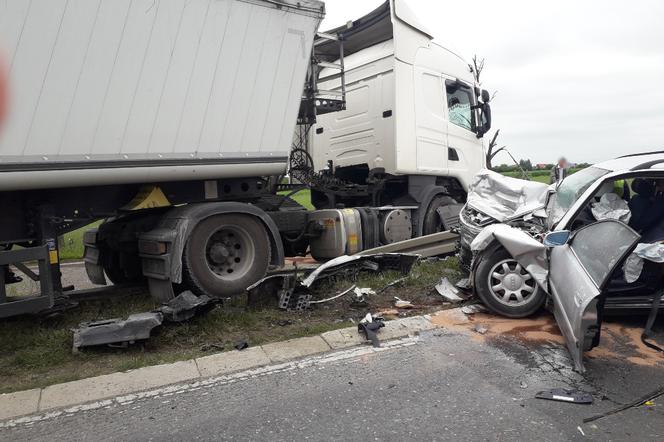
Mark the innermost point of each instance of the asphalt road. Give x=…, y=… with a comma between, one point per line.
x=447, y=386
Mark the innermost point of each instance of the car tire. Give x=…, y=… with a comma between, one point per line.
x=225, y=254
x=504, y=286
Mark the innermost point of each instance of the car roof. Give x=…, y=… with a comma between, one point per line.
x=634, y=162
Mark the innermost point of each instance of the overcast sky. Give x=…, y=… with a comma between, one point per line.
x=581, y=79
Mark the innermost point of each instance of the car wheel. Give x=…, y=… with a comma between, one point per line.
x=225, y=254
x=505, y=287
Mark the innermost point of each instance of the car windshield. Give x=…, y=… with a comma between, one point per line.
x=569, y=192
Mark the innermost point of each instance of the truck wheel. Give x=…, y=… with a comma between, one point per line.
x=505, y=287
x=432, y=222
x=225, y=254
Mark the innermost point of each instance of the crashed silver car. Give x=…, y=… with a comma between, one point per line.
x=594, y=242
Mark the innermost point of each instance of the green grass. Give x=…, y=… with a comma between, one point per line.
x=36, y=352
x=71, y=244
x=302, y=197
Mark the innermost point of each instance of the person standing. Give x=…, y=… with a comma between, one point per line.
x=560, y=171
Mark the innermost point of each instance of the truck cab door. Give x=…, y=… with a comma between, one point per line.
x=430, y=122
x=578, y=273
x=465, y=150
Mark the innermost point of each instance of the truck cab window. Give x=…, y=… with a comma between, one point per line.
x=459, y=104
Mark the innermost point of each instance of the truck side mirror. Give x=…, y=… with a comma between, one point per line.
x=485, y=123
x=486, y=97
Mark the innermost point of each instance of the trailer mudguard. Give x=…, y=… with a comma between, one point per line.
x=175, y=227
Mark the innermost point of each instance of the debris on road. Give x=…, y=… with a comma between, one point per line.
x=241, y=345
x=641, y=401
x=448, y=291
x=185, y=306
x=116, y=332
x=479, y=328
x=344, y=265
x=370, y=325
x=464, y=284
x=566, y=395
x=474, y=308
x=402, y=303
x=337, y=296
x=394, y=283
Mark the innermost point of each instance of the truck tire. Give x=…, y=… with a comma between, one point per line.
x=504, y=286
x=225, y=254
x=122, y=269
x=432, y=222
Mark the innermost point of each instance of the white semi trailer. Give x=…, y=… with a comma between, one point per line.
x=195, y=102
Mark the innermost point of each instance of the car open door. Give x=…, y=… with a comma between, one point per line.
x=578, y=273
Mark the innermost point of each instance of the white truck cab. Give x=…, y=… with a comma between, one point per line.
x=413, y=122
x=411, y=104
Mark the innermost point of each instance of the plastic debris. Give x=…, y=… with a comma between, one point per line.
x=185, y=306
x=320, y=301
x=402, y=262
x=402, y=303
x=474, y=308
x=448, y=291
x=479, y=328
x=116, y=332
x=241, y=345
x=566, y=395
x=464, y=284
x=370, y=325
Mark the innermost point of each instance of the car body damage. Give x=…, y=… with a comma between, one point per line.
x=592, y=243
x=494, y=198
x=503, y=198
x=526, y=250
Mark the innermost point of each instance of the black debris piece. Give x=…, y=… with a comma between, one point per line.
x=370, y=326
x=241, y=345
x=566, y=395
x=185, y=306
x=116, y=332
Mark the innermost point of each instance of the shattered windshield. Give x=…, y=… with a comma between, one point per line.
x=569, y=192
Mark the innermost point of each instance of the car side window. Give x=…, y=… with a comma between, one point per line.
x=600, y=246
x=459, y=105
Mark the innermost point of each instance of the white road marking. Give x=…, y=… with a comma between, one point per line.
x=347, y=355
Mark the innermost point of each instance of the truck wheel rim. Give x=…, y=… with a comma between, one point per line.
x=229, y=252
x=510, y=284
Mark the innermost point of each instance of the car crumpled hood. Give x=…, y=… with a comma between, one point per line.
x=503, y=198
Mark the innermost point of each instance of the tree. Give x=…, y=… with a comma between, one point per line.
x=492, y=151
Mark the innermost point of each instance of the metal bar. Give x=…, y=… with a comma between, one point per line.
x=23, y=255
x=343, y=72
x=326, y=36
x=429, y=245
x=325, y=64
x=26, y=271
x=112, y=291
x=328, y=92
x=23, y=306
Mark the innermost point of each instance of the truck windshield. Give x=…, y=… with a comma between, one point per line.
x=569, y=191
x=459, y=104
